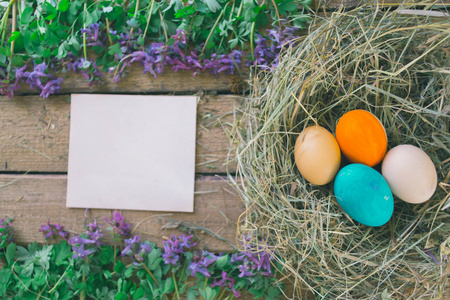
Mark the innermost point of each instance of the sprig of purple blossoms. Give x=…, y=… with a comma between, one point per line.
x=87, y=68
x=252, y=259
x=176, y=246
x=94, y=232
x=136, y=249
x=201, y=262
x=38, y=79
x=226, y=282
x=267, y=50
x=93, y=35
x=87, y=242
x=118, y=224
x=53, y=230
x=5, y=233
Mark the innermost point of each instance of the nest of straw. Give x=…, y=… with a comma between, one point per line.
x=394, y=65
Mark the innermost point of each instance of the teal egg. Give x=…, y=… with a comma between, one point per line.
x=364, y=195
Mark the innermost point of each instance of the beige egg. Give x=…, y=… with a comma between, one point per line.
x=410, y=173
x=317, y=155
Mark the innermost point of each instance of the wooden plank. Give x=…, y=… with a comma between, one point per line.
x=34, y=134
x=135, y=81
x=336, y=4
x=33, y=199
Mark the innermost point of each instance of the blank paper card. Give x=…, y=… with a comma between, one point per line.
x=132, y=152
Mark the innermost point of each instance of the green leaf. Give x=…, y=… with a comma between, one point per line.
x=154, y=259
x=185, y=12
x=5, y=275
x=28, y=269
x=86, y=18
x=49, y=10
x=62, y=52
x=306, y=3
x=128, y=272
x=115, y=49
x=222, y=261
x=22, y=254
x=119, y=267
x=14, y=36
x=10, y=252
x=74, y=7
x=133, y=23
x=63, y=252
x=27, y=16
x=168, y=286
x=191, y=295
x=286, y=6
x=138, y=294
x=121, y=296
x=213, y=5
x=74, y=43
x=249, y=6
x=85, y=269
x=198, y=20
x=63, y=5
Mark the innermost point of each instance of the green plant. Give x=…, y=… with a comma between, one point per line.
x=85, y=268
x=92, y=37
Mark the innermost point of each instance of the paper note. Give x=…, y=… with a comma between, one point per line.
x=132, y=152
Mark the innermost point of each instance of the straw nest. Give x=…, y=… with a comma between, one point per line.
x=396, y=66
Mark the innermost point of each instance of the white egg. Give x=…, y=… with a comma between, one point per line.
x=410, y=173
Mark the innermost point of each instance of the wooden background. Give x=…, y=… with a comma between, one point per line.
x=34, y=143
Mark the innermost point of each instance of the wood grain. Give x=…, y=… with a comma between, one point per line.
x=33, y=199
x=34, y=134
x=335, y=4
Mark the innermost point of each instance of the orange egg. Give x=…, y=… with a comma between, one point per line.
x=317, y=155
x=361, y=137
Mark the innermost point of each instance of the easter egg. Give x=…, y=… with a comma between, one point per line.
x=364, y=195
x=317, y=155
x=410, y=173
x=361, y=137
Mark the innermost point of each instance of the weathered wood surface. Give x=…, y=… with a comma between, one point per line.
x=33, y=199
x=34, y=135
x=334, y=4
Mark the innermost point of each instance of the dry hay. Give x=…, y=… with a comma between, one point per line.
x=396, y=66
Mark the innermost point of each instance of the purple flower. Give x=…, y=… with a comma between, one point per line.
x=197, y=268
x=226, y=282
x=93, y=37
x=51, y=230
x=79, y=240
x=34, y=78
x=94, y=232
x=253, y=259
x=201, y=263
x=266, y=54
x=245, y=271
x=135, y=249
x=5, y=235
x=51, y=87
x=118, y=224
x=80, y=252
x=176, y=245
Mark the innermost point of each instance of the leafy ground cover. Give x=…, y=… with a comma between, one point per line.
x=84, y=267
x=94, y=37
